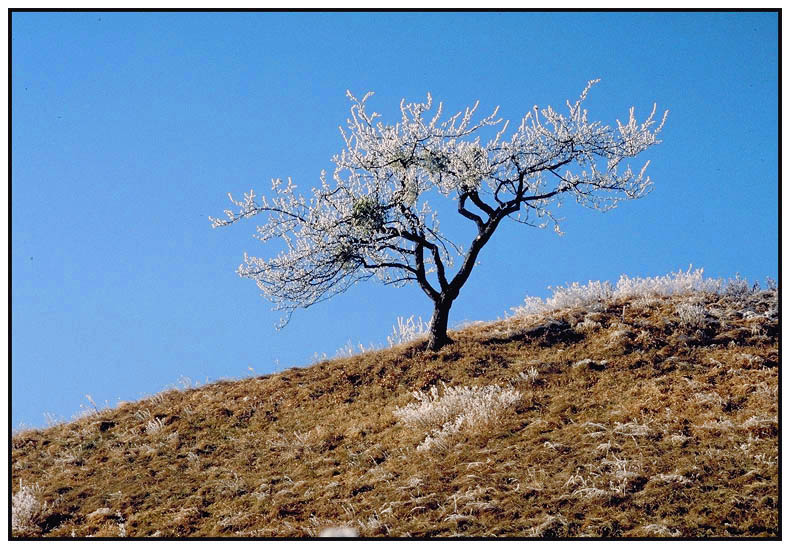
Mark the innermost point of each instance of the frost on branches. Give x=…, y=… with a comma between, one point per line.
x=372, y=217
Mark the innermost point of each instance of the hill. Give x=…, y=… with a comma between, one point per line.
x=652, y=416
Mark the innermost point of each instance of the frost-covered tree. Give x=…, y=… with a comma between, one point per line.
x=373, y=218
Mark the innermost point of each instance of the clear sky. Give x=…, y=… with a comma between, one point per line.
x=129, y=130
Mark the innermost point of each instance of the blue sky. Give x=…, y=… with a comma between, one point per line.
x=129, y=130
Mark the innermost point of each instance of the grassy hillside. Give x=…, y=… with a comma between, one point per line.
x=648, y=417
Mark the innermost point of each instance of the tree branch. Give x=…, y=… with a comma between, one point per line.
x=467, y=214
x=480, y=204
x=422, y=279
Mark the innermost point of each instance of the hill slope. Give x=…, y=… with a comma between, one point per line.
x=650, y=417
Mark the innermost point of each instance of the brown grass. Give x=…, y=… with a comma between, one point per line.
x=633, y=422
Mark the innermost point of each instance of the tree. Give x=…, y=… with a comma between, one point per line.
x=374, y=218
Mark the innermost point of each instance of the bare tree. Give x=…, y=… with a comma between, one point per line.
x=374, y=219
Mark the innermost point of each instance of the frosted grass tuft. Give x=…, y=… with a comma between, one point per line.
x=595, y=293
x=454, y=410
x=26, y=510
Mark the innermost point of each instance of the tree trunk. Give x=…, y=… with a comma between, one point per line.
x=438, y=328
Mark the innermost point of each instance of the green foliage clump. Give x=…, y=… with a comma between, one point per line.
x=368, y=215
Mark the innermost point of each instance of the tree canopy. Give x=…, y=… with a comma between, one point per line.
x=372, y=217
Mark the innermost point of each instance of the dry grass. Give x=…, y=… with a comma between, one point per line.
x=646, y=418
